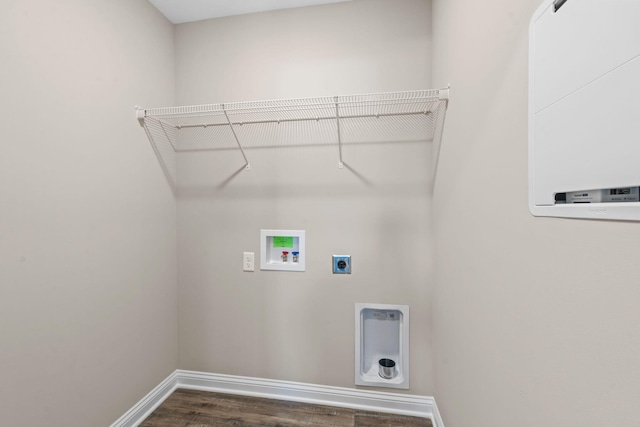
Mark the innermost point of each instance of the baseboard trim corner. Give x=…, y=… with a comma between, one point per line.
x=395, y=403
x=437, y=418
x=141, y=410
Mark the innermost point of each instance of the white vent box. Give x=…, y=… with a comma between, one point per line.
x=584, y=109
x=382, y=345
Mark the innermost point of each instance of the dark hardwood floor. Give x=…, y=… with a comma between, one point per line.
x=191, y=408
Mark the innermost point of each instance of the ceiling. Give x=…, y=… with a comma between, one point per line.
x=180, y=11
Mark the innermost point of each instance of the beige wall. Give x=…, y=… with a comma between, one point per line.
x=88, y=308
x=536, y=319
x=299, y=326
x=359, y=46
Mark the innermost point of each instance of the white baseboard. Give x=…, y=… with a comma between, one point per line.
x=141, y=410
x=436, y=419
x=402, y=404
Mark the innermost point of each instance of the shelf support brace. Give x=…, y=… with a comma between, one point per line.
x=247, y=166
x=340, y=164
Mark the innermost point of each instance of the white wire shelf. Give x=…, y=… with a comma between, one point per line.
x=381, y=117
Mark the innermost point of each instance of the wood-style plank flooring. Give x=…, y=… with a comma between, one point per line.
x=191, y=408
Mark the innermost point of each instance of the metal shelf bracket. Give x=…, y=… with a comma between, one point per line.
x=247, y=166
x=340, y=164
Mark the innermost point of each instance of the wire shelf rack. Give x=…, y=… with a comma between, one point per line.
x=380, y=117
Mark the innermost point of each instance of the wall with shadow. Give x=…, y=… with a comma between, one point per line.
x=300, y=326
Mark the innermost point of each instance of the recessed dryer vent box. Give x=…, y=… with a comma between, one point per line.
x=584, y=99
x=382, y=345
x=282, y=250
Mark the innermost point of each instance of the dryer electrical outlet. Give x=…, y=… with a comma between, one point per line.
x=342, y=264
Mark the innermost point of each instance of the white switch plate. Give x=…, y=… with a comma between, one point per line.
x=248, y=259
